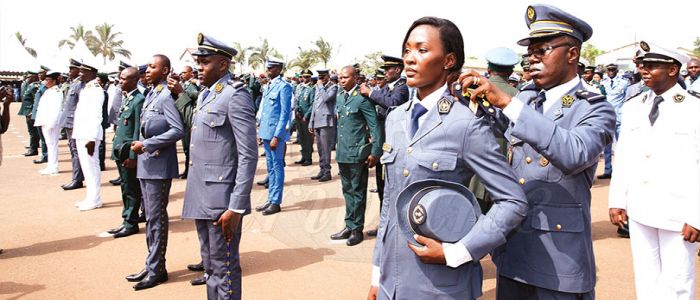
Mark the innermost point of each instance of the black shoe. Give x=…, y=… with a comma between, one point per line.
x=325, y=178
x=183, y=176
x=198, y=267
x=318, y=176
x=41, y=160
x=343, y=234
x=102, y=167
x=372, y=232
x=31, y=153
x=264, y=181
x=126, y=232
x=267, y=186
x=151, y=281
x=272, y=209
x=115, y=230
x=73, y=185
x=117, y=181
x=605, y=176
x=623, y=232
x=306, y=163
x=355, y=238
x=262, y=207
x=298, y=162
x=138, y=276
x=201, y=280
x=142, y=218
x=373, y=190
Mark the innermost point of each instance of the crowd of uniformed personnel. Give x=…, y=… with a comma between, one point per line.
x=526, y=146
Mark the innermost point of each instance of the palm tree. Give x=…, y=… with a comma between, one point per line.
x=79, y=33
x=260, y=54
x=324, y=51
x=370, y=63
x=241, y=52
x=107, y=43
x=23, y=42
x=305, y=59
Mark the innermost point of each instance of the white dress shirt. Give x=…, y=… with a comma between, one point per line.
x=88, y=113
x=49, y=108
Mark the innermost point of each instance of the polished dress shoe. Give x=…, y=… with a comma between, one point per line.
x=117, y=181
x=343, y=234
x=73, y=185
x=372, y=232
x=264, y=181
x=318, y=176
x=262, y=207
x=324, y=178
x=126, y=232
x=151, y=281
x=31, y=153
x=199, y=280
x=298, y=162
x=355, y=238
x=605, y=176
x=198, y=267
x=306, y=163
x=272, y=209
x=41, y=160
x=115, y=230
x=138, y=276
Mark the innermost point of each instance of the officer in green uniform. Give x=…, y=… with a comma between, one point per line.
x=186, y=93
x=501, y=62
x=302, y=113
x=128, y=126
x=358, y=149
x=26, y=110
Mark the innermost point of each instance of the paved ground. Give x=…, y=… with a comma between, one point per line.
x=54, y=251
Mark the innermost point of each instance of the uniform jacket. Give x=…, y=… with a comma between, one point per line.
x=357, y=124
x=129, y=121
x=323, y=111
x=276, y=111
x=88, y=113
x=186, y=102
x=28, y=99
x=49, y=108
x=70, y=103
x=553, y=246
x=388, y=97
x=161, y=128
x=115, y=93
x=672, y=147
x=37, y=99
x=223, y=153
x=450, y=146
x=305, y=100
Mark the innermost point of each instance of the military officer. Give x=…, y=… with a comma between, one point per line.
x=66, y=121
x=359, y=140
x=222, y=167
x=128, y=126
x=393, y=93
x=556, y=130
x=322, y=122
x=186, y=92
x=114, y=101
x=660, y=135
x=37, y=98
x=161, y=128
x=692, y=83
x=273, y=122
x=302, y=111
x=433, y=136
x=615, y=86
x=26, y=110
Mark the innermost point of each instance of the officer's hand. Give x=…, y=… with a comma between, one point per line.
x=690, y=233
x=229, y=221
x=273, y=143
x=259, y=141
x=311, y=131
x=174, y=86
x=618, y=216
x=365, y=90
x=304, y=120
x=372, y=293
x=90, y=147
x=137, y=147
x=371, y=161
x=493, y=94
x=431, y=252
x=129, y=163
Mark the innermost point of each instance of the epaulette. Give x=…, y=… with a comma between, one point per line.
x=400, y=82
x=589, y=96
x=629, y=97
x=693, y=93
x=529, y=87
x=235, y=84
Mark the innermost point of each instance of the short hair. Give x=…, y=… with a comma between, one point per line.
x=450, y=37
x=355, y=71
x=165, y=59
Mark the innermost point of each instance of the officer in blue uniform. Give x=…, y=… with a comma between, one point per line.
x=274, y=119
x=223, y=159
x=161, y=128
x=66, y=121
x=556, y=130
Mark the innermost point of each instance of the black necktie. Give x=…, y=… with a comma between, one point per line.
x=654, y=114
x=417, y=112
x=538, y=102
x=346, y=96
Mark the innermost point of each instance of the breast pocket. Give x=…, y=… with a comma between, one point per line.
x=557, y=229
x=218, y=173
x=436, y=161
x=213, y=122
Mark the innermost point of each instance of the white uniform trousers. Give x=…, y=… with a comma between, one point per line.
x=91, y=170
x=664, y=264
x=51, y=136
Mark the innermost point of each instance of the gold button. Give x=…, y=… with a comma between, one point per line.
x=543, y=162
x=521, y=181
x=512, y=141
x=409, y=150
x=558, y=226
x=435, y=166
x=528, y=159
x=405, y=173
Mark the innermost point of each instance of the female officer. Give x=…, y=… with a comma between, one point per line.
x=434, y=136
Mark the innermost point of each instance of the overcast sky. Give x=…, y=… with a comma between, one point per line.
x=354, y=27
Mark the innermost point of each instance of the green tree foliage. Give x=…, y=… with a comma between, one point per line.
x=107, y=42
x=590, y=52
x=23, y=42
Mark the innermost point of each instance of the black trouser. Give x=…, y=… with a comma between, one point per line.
x=33, y=134
x=103, y=150
x=44, y=149
x=131, y=195
x=186, y=149
x=380, y=172
x=306, y=141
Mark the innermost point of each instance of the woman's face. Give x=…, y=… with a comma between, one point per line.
x=596, y=78
x=424, y=58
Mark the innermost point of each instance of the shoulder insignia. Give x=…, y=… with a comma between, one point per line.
x=639, y=91
x=567, y=100
x=159, y=88
x=444, y=105
x=528, y=87
x=387, y=148
x=236, y=84
x=219, y=87
x=693, y=93
x=589, y=96
x=354, y=93
x=678, y=98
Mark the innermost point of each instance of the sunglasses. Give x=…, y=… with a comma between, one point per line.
x=539, y=53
